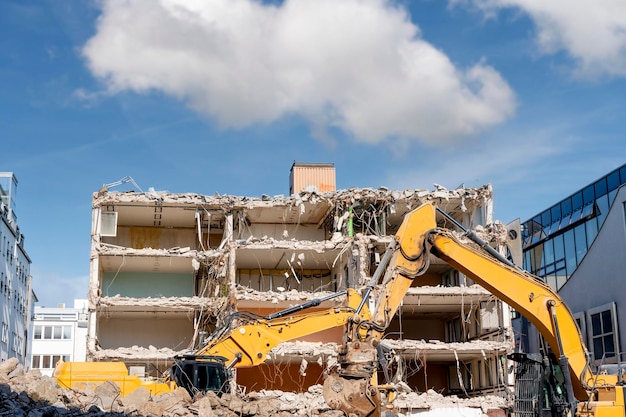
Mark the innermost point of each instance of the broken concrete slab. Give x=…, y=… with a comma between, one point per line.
x=104, y=401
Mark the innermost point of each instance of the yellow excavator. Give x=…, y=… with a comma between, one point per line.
x=560, y=383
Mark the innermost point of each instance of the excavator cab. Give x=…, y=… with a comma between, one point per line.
x=539, y=386
x=201, y=374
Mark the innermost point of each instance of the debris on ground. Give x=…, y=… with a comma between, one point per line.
x=31, y=394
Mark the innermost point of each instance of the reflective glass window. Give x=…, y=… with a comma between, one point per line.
x=545, y=218
x=622, y=174
x=37, y=334
x=527, y=264
x=591, y=227
x=603, y=208
x=588, y=194
x=559, y=249
x=570, y=252
x=576, y=216
x=613, y=180
x=525, y=234
x=551, y=281
x=535, y=259
x=535, y=225
x=581, y=242
x=67, y=332
x=536, y=238
x=47, y=332
x=45, y=362
x=565, y=221
x=600, y=187
x=548, y=255
x=566, y=207
x=577, y=200
x=553, y=228
x=587, y=211
x=555, y=212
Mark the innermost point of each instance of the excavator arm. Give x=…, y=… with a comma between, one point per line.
x=246, y=339
x=353, y=388
x=530, y=297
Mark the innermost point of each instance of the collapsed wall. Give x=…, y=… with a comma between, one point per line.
x=167, y=269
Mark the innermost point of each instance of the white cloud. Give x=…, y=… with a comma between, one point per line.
x=356, y=65
x=593, y=33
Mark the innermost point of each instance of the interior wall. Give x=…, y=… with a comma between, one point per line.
x=285, y=377
x=281, y=231
x=428, y=279
x=416, y=328
x=214, y=240
x=153, y=237
x=424, y=376
x=270, y=279
x=158, y=331
x=145, y=284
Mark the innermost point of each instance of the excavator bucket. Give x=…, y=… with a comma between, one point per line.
x=354, y=396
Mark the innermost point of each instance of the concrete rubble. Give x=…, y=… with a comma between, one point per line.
x=29, y=394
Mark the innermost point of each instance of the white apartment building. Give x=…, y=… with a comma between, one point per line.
x=59, y=334
x=16, y=296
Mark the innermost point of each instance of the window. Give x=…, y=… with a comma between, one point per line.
x=5, y=332
x=48, y=361
x=108, y=224
x=52, y=332
x=603, y=333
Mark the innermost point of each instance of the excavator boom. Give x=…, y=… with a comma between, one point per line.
x=406, y=259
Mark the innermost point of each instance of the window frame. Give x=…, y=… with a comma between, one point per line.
x=611, y=307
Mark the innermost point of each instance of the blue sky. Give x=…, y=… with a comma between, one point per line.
x=222, y=96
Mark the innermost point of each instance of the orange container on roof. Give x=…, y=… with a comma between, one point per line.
x=305, y=174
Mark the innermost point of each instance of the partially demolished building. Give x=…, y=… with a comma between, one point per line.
x=167, y=268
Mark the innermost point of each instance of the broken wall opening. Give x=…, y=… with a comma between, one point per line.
x=303, y=270
x=152, y=237
x=210, y=278
x=143, y=284
x=277, y=375
x=157, y=329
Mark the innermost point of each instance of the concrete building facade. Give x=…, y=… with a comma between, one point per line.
x=17, y=299
x=577, y=246
x=166, y=269
x=59, y=333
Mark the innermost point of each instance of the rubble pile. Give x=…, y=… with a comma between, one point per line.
x=30, y=394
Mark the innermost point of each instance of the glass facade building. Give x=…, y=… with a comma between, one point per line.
x=556, y=240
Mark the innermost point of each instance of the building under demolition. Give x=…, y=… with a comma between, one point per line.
x=166, y=269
